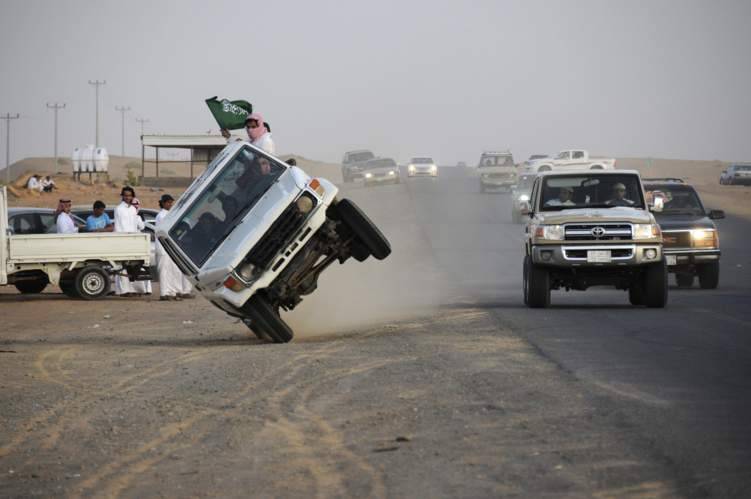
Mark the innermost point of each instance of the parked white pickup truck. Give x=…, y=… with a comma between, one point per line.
x=81, y=264
x=570, y=159
x=253, y=234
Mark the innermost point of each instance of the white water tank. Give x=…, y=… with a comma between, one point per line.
x=76, y=159
x=101, y=160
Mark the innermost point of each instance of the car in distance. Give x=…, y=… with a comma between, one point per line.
x=690, y=238
x=570, y=159
x=520, y=196
x=497, y=171
x=22, y=220
x=593, y=228
x=736, y=174
x=83, y=211
x=380, y=171
x=253, y=234
x=352, y=164
x=422, y=167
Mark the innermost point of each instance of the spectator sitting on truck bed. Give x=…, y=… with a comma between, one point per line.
x=99, y=221
x=619, y=196
x=65, y=223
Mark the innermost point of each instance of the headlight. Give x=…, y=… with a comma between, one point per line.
x=433, y=168
x=411, y=168
x=646, y=231
x=246, y=271
x=368, y=175
x=550, y=232
x=524, y=197
x=304, y=204
x=704, y=238
x=392, y=172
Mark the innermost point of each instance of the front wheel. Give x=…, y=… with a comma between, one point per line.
x=709, y=275
x=32, y=286
x=656, y=285
x=364, y=230
x=265, y=320
x=536, y=285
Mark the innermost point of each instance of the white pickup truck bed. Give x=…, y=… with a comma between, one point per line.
x=70, y=248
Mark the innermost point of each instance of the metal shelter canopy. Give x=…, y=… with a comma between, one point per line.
x=202, y=148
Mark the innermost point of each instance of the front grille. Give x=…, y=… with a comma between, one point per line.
x=500, y=175
x=185, y=267
x=677, y=239
x=278, y=236
x=616, y=254
x=598, y=232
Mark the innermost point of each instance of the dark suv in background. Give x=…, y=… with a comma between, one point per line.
x=352, y=164
x=691, y=242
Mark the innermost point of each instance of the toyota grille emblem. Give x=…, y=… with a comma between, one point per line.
x=598, y=232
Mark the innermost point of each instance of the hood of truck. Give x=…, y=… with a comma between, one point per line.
x=254, y=225
x=596, y=215
x=382, y=170
x=684, y=222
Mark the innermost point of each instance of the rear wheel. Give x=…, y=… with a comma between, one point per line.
x=265, y=320
x=364, y=230
x=536, y=285
x=709, y=275
x=32, y=286
x=656, y=285
x=684, y=280
x=91, y=282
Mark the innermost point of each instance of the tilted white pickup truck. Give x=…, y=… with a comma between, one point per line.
x=81, y=264
x=253, y=234
x=570, y=159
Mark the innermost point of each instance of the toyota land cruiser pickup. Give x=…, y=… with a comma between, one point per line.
x=253, y=234
x=593, y=228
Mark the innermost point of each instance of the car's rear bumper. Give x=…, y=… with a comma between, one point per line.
x=573, y=255
x=740, y=180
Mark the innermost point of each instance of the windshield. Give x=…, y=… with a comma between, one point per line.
x=229, y=196
x=359, y=156
x=591, y=191
x=496, y=160
x=381, y=163
x=677, y=199
x=422, y=161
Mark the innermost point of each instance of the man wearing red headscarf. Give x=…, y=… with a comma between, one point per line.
x=258, y=134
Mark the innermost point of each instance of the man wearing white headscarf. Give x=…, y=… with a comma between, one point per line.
x=127, y=220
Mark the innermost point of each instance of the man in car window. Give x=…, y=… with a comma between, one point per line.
x=565, y=197
x=619, y=196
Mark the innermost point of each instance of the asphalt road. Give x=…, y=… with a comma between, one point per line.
x=420, y=376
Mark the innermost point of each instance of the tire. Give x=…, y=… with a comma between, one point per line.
x=536, y=285
x=265, y=319
x=365, y=231
x=656, y=285
x=636, y=293
x=544, y=168
x=684, y=280
x=709, y=275
x=91, y=282
x=33, y=286
x=69, y=289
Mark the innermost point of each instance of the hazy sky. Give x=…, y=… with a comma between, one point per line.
x=448, y=79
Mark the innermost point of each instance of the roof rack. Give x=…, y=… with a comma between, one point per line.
x=671, y=180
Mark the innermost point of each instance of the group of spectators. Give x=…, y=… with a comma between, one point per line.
x=173, y=285
x=39, y=184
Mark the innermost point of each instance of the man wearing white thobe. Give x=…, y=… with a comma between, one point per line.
x=173, y=285
x=127, y=220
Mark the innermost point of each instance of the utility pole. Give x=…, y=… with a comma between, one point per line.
x=7, y=119
x=142, y=121
x=97, y=84
x=123, y=110
x=56, y=107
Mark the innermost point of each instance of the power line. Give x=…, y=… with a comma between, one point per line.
x=123, y=110
x=142, y=121
x=97, y=84
x=56, y=107
x=7, y=119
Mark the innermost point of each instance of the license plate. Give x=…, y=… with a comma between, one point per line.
x=671, y=259
x=598, y=256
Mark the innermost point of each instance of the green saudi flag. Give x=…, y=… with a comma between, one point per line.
x=229, y=114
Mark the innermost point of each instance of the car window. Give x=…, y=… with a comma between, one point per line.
x=578, y=154
x=421, y=161
x=48, y=222
x=24, y=223
x=590, y=191
x=496, y=160
x=677, y=200
x=562, y=155
x=381, y=163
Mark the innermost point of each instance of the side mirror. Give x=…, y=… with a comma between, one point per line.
x=524, y=208
x=716, y=214
x=659, y=204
